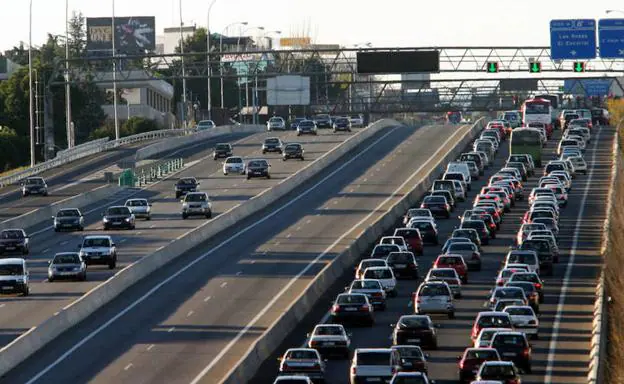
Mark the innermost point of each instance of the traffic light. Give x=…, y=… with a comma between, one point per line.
x=579, y=66
x=492, y=67
x=535, y=67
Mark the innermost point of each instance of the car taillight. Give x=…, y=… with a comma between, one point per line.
x=538, y=286
x=313, y=343
x=461, y=364
x=435, y=265
x=353, y=370
x=525, y=353
x=364, y=308
x=411, y=266
x=336, y=308
x=377, y=294
x=499, y=282
x=475, y=256
x=532, y=322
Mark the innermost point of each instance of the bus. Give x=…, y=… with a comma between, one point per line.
x=537, y=111
x=527, y=141
x=556, y=107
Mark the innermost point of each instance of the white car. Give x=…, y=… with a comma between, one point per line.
x=485, y=336
x=367, y=263
x=579, y=163
x=396, y=240
x=524, y=319
x=356, y=120
x=234, y=164
x=99, y=249
x=416, y=213
x=460, y=192
x=385, y=277
x=205, y=124
x=330, y=339
x=276, y=122
x=140, y=208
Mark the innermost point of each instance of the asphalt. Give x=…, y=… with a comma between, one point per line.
x=241, y=280
x=87, y=174
x=561, y=355
x=18, y=314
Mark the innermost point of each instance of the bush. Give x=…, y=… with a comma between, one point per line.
x=141, y=125
x=14, y=150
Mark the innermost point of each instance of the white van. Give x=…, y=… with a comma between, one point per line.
x=461, y=167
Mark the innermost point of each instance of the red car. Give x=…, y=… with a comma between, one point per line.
x=412, y=239
x=471, y=360
x=453, y=261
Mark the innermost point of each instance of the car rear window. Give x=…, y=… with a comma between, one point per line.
x=373, y=358
x=383, y=273
x=303, y=355
x=433, y=290
x=410, y=352
x=507, y=340
x=351, y=299
x=519, y=311
x=366, y=284
x=492, y=320
x=481, y=354
x=400, y=257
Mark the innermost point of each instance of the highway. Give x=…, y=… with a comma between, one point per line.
x=85, y=175
x=18, y=314
x=561, y=355
x=194, y=318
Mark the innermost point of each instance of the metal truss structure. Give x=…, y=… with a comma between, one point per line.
x=353, y=92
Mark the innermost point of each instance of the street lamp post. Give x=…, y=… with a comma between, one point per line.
x=184, y=118
x=613, y=10
x=30, y=90
x=114, y=76
x=221, y=53
x=209, y=88
x=68, y=113
x=240, y=96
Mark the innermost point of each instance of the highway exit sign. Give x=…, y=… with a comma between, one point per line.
x=492, y=67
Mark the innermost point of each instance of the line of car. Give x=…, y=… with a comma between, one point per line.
x=101, y=249
x=305, y=125
x=501, y=347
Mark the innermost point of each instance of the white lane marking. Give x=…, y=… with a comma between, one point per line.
x=314, y=262
x=63, y=242
x=288, y=236
x=552, y=347
x=190, y=313
x=138, y=233
x=46, y=250
x=298, y=228
x=351, y=190
x=123, y=240
x=308, y=221
x=224, y=284
x=153, y=225
x=253, y=261
x=277, y=243
x=171, y=329
x=2, y=305
x=128, y=367
x=239, y=273
x=149, y=348
x=207, y=298
x=190, y=265
x=365, y=180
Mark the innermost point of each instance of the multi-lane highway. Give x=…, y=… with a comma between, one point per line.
x=193, y=319
x=88, y=174
x=561, y=355
x=18, y=314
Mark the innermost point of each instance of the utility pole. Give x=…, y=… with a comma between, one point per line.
x=114, y=77
x=184, y=119
x=68, y=113
x=30, y=91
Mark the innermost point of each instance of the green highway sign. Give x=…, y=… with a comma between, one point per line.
x=492, y=67
x=535, y=67
x=579, y=66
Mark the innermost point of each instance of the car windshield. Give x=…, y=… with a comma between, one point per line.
x=118, y=211
x=257, y=163
x=71, y=258
x=435, y=199
x=187, y=182
x=383, y=273
x=302, y=355
x=505, y=273
x=384, y=249
x=351, y=299
x=68, y=213
x=96, y=242
x=293, y=147
x=373, y=358
x=366, y=284
x=450, y=260
x=306, y=123
x=497, y=371
x=486, y=335
x=507, y=340
x=519, y=311
x=34, y=181
x=442, y=272
x=137, y=203
x=11, y=270
x=12, y=234
x=328, y=331
x=195, y=197
x=414, y=322
x=271, y=141
x=342, y=120
x=530, y=277
x=222, y=147
x=234, y=160
x=433, y=290
x=424, y=225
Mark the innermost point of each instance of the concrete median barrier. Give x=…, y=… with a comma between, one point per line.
x=182, y=141
x=45, y=213
x=37, y=337
x=279, y=330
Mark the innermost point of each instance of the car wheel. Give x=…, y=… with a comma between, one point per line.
x=451, y=315
x=209, y=215
x=248, y=177
x=263, y=152
x=50, y=279
x=458, y=295
x=25, y=251
x=177, y=195
x=26, y=291
x=464, y=279
x=283, y=159
x=83, y=277
x=149, y=217
x=56, y=229
x=268, y=176
x=112, y=264
x=214, y=158
x=528, y=369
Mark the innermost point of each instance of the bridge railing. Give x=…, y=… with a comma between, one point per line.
x=88, y=149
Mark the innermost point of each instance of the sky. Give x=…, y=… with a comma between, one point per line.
x=387, y=23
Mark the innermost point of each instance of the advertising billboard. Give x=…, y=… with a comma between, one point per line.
x=295, y=41
x=288, y=90
x=132, y=35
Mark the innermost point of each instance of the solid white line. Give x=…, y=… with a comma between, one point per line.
x=171, y=329
x=552, y=348
x=239, y=273
x=45, y=250
x=314, y=262
x=190, y=265
x=207, y=298
x=288, y=236
x=149, y=348
x=2, y=305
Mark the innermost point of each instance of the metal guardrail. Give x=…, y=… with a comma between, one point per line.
x=88, y=149
x=144, y=175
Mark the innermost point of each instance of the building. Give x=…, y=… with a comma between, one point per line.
x=167, y=43
x=7, y=67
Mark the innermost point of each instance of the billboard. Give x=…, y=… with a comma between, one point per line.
x=288, y=90
x=392, y=62
x=132, y=35
x=295, y=41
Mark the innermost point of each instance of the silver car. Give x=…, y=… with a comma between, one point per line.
x=67, y=265
x=434, y=298
x=234, y=164
x=196, y=204
x=371, y=288
x=141, y=208
x=276, y=122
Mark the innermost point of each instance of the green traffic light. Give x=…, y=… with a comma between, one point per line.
x=579, y=66
x=536, y=67
x=492, y=67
